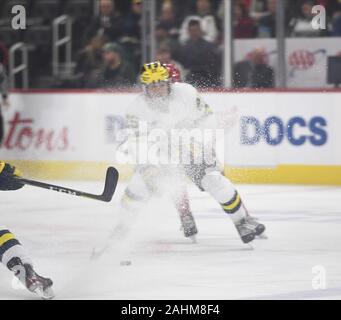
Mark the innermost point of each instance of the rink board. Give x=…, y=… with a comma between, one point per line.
x=278, y=137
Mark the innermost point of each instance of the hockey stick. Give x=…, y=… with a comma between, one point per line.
x=109, y=187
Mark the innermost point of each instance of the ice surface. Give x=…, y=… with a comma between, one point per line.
x=60, y=231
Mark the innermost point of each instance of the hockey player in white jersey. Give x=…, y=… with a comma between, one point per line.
x=181, y=202
x=166, y=105
x=12, y=254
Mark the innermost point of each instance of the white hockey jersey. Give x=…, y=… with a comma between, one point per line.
x=182, y=109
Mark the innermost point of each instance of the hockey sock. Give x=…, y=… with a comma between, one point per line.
x=234, y=208
x=182, y=203
x=10, y=247
x=222, y=190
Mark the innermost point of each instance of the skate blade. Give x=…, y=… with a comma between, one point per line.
x=193, y=239
x=46, y=294
x=95, y=254
x=262, y=236
x=249, y=246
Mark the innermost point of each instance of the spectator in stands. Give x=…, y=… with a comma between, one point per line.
x=301, y=26
x=4, y=93
x=334, y=11
x=200, y=57
x=168, y=19
x=243, y=25
x=258, y=9
x=108, y=23
x=245, y=3
x=3, y=54
x=132, y=21
x=336, y=24
x=90, y=58
x=332, y=6
x=116, y=72
x=164, y=55
x=161, y=35
x=267, y=23
x=131, y=34
x=208, y=23
x=163, y=39
x=254, y=72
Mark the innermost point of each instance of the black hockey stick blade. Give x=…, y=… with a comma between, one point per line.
x=111, y=180
x=108, y=192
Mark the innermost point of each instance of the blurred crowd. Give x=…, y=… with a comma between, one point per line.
x=257, y=18
x=112, y=54
x=189, y=34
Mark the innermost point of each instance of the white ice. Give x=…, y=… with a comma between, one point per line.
x=60, y=231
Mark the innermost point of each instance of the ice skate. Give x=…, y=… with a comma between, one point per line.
x=189, y=227
x=246, y=230
x=259, y=228
x=30, y=279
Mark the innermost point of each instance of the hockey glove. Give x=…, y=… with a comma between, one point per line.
x=7, y=173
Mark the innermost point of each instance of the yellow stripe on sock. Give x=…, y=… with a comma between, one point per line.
x=2, y=166
x=6, y=237
x=232, y=205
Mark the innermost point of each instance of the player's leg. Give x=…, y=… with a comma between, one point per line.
x=149, y=181
x=155, y=181
x=14, y=256
x=135, y=195
x=222, y=190
x=12, y=253
x=182, y=205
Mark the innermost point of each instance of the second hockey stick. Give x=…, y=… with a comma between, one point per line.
x=111, y=180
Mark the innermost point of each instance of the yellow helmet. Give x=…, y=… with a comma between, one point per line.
x=154, y=72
